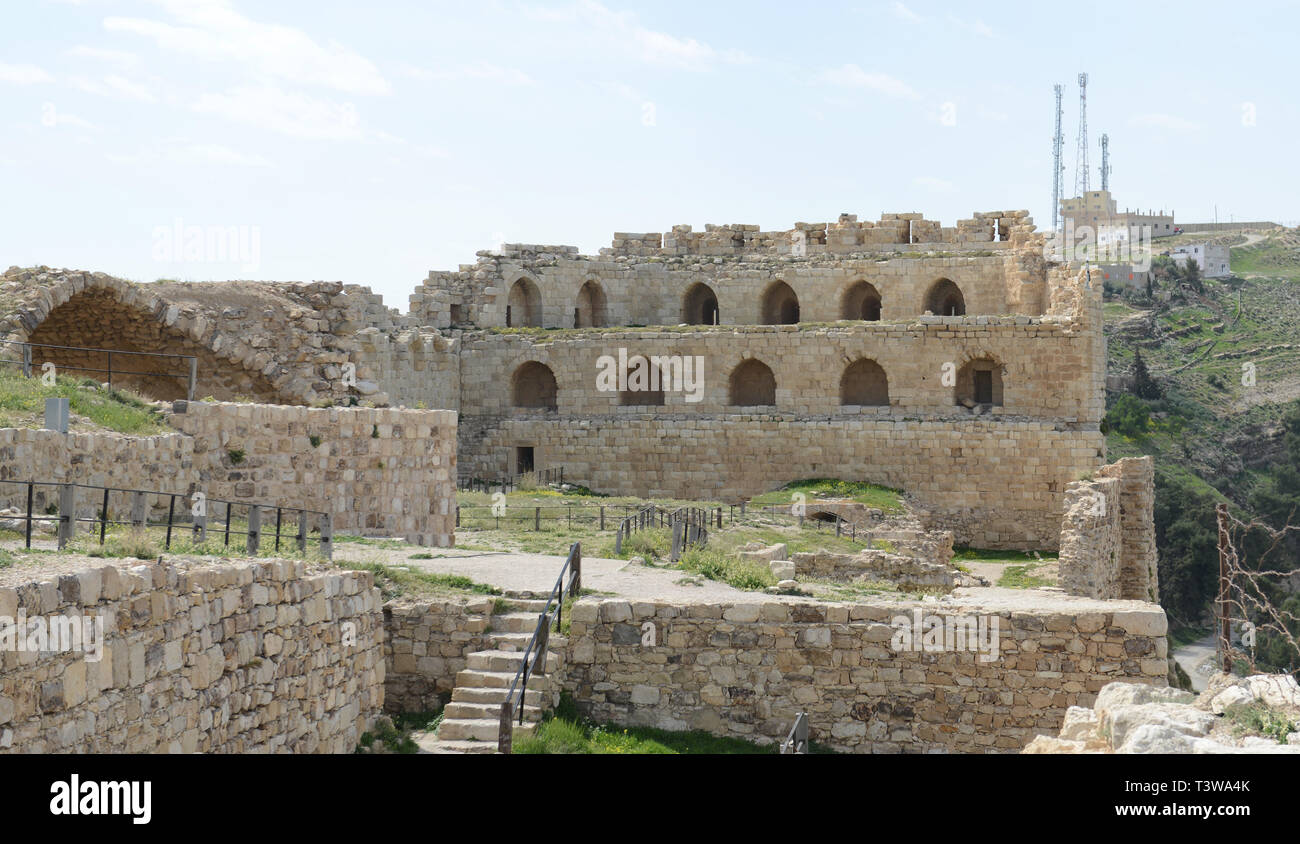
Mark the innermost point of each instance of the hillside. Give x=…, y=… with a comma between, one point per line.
x=1216, y=435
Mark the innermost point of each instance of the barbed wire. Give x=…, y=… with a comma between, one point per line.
x=1245, y=587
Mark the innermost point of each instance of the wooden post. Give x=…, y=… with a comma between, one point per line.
x=602, y=517
x=575, y=582
x=30, y=492
x=139, y=507
x=1225, y=623
x=537, y=518
x=677, y=541
x=302, y=530
x=171, y=514
x=506, y=734
x=194, y=374
x=618, y=539
x=67, y=512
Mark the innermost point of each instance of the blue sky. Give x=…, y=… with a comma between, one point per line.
x=372, y=142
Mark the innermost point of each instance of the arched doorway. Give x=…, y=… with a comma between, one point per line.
x=945, y=299
x=860, y=301
x=700, y=305
x=780, y=305
x=591, y=306
x=979, y=383
x=524, y=305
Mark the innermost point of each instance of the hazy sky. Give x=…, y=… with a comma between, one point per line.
x=372, y=142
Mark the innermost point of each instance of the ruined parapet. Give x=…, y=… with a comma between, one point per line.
x=1108, y=548
x=903, y=571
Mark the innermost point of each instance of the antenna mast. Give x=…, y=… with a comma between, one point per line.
x=1081, y=168
x=1105, y=162
x=1058, y=169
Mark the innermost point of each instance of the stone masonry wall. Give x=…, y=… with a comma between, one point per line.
x=377, y=470
x=426, y=643
x=164, y=463
x=1108, y=547
x=748, y=669
x=243, y=658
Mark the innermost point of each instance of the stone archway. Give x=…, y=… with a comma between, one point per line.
x=591, y=306
x=524, y=305
x=780, y=305
x=864, y=384
x=945, y=299
x=533, y=386
x=111, y=314
x=861, y=300
x=700, y=305
x=752, y=384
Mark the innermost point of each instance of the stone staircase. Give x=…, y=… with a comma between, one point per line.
x=471, y=721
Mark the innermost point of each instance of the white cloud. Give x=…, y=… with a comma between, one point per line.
x=114, y=86
x=622, y=29
x=63, y=118
x=480, y=71
x=117, y=57
x=211, y=29
x=935, y=184
x=903, y=13
x=852, y=76
x=23, y=74
x=1160, y=120
x=286, y=112
x=185, y=151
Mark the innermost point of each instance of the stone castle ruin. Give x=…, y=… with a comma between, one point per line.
x=954, y=363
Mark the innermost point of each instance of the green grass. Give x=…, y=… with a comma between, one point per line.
x=22, y=405
x=1258, y=719
x=716, y=565
x=398, y=582
x=1020, y=577
x=982, y=555
x=872, y=495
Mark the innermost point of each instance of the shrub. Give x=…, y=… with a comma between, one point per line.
x=1129, y=416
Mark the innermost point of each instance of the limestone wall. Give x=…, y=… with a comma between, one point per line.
x=994, y=484
x=164, y=463
x=378, y=471
x=748, y=669
x=242, y=658
x=426, y=643
x=1108, y=546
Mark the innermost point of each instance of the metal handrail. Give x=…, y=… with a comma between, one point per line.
x=796, y=741
x=539, y=641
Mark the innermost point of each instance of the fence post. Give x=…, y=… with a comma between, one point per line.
x=194, y=373
x=327, y=536
x=457, y=515
x=67, y=512
x=138, y=512
x=110, y=372
x=171, y=513
x=27, y=361
x=30, y=492
x=575, y=582
x=602, y=517
x=677, y=541
x=506, y=732
x=200, y=529
x=537, y=518
x=618, y=539
x=254, y=530
x=302, y=530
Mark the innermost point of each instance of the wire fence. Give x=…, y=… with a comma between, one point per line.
x=61, y=505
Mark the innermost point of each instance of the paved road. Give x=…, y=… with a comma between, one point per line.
x=1197, y=659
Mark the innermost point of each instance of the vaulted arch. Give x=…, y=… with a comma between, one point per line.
x=532, y=385
x=99, y=315
x=752, y=384
x=864, y=383
x=524, y=305
x=945, y=299
x=861, y=300
x=979, y=383
x=590, y=311
x=780, y=305
x=700, y=305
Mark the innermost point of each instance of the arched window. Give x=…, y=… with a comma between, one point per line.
x=524, y=306
x=945, y=299
x=700, y=305
x=860, y=301
x=979, y=383
x=752, y=384
x=864, y=383
x=780, y=305
x=533, y=385
x=591, y=306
